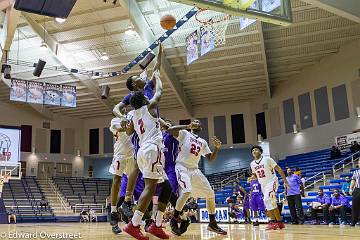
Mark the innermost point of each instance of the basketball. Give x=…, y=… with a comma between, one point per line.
x=167, y=22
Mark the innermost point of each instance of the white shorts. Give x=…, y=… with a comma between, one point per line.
x=194, y=181
x=269, y=191
x=121, y=164
x=151, y=162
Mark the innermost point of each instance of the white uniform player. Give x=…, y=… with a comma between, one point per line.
x=123, y=150
x=190, y=178
x=264, y=168
x=150, y=157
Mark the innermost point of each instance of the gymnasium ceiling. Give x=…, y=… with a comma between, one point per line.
x=252, y=62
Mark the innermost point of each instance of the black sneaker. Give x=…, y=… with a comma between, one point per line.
x=174, y=224
x=127, y=212
x=255, y=224
x=185, y=223
x=114, y=218
x=115, y=229
x=148, y=222
x=213, y=227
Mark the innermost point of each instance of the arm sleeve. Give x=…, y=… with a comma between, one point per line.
x=206, y=149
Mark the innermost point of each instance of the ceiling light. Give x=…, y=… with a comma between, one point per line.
x=104, y=57
x=259, y=138
x=295, y=128
x=358, y=112
x=43, y=46
x=60, y=20
x=130, y=30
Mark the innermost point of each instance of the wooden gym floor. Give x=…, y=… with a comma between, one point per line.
x=102, y=231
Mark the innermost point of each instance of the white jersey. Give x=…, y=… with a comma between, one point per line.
x=122, y=144
x=146, y=126
x=191, y=148
x=264, y=170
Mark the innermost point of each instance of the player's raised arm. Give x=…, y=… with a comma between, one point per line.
x=157, y=64
x=158, y=92
x=129, y=128
x=174, y=131
x=217, y=144
x=119, y=109
x=282, y=174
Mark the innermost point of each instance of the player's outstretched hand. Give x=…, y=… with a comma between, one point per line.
x=156, y=73
x=217, y=142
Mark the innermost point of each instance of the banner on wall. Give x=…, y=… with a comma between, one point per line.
x=35, y=92
x=18, y=90
x=207, y=40
x=345, y=141
x=192, y=47
x=222, y=215
x=68, y=96
x=52, y=94
x=9, y=145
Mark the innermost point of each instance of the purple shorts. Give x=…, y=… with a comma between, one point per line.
x=173, y=183
x=246, y=204
x=257, y=203
x=139, y=187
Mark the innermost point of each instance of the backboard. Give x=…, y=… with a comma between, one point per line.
x=14, y=170
x=271, y=11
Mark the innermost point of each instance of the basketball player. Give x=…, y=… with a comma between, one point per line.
x=264, y=169
x=150, y=160
x=256, y=199
x=123, y=156
x=244, y=196
x=192, y=183
x=136, y=83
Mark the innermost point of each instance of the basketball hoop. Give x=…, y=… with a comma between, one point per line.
x=215, y=22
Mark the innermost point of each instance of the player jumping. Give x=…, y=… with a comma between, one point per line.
x=150, y=161
x=191, y=180
x=264, y=169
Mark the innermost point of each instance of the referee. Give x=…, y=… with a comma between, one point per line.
x=355, y=192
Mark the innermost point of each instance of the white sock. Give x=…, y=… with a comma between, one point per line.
x=154, y=210
x=136, y=219
x=113, y=209
x=256, y=219
x=159, y=216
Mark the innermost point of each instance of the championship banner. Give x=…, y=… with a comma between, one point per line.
x=35, y=92
x=345, y=141
x=18, y=90
x=192, y=47
x=221, y=215
x=68, y=96
x=9, y=145
x=270, y=5
x=52, y=94
x=207, y=40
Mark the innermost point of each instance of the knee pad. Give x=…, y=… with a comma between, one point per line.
x=165, y=192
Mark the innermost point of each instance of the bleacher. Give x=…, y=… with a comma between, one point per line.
x=90, y=193
x=24, y=195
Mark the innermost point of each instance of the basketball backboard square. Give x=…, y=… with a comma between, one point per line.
x=271, y=11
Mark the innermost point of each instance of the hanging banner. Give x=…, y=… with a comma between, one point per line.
x=207, y=40
x=52, y=94
x=245, y=22
x=68, y=96
x=35, y=92
x=18, y=90
x=270, y=5
x=345, y=141
x=192, y=47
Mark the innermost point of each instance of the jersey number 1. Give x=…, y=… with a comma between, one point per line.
x=195, y=149
x=141, y=124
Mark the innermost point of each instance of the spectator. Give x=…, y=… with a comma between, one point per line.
x=339, y=205
x=355, y=192
x=335, y=152
x=84, y=216
x=355, y=147
x=43, y=203
x=92, y=215
x=346, y=187
x=11, y=215
x=321, y=204
x=294, y=198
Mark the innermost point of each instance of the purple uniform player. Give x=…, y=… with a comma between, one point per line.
x=244, y=196
x=256, y=200
x=170, y=153
x=139, y=187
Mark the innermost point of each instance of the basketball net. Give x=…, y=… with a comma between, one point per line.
x=216, y=23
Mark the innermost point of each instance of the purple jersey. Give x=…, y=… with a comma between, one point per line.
x=341, y=200
x=170, y=151
x=149, y=93
x=245, y=199
x=255, y=187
